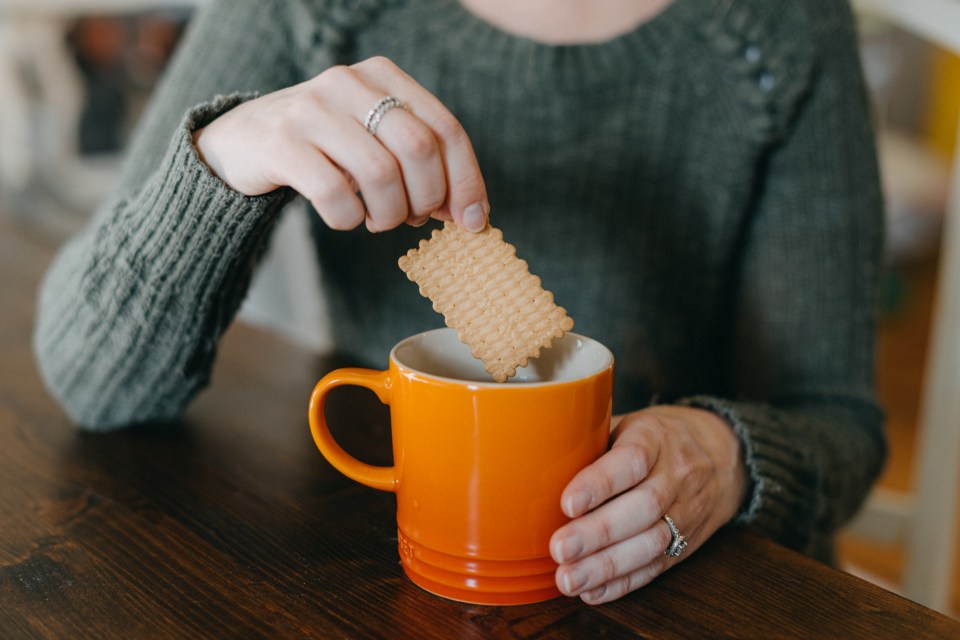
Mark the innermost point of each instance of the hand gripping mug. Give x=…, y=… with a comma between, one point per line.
x=479, y=467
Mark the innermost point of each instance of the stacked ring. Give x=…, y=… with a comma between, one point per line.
x=677, y=542
x=384, y=104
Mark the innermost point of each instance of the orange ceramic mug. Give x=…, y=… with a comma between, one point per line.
x=479, y=466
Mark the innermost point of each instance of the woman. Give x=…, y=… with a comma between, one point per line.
x=694, y=180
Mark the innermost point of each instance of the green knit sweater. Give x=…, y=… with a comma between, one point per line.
x=701, y=194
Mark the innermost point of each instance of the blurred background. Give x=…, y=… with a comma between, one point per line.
x=76, y=75
x=75, y=79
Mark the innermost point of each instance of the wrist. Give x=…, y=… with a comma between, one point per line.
x=201, y=143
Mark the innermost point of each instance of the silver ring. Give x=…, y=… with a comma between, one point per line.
x=376, y=114
x=677, y=542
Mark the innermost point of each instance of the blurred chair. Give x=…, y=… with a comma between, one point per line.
x=926, y=520
x=43, y=99
x=43, y=95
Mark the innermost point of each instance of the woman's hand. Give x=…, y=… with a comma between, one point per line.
x=666, y=460
x=312, y=137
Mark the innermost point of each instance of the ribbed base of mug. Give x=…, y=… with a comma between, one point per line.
x=489, y=582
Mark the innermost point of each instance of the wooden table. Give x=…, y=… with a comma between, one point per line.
x=228, y=523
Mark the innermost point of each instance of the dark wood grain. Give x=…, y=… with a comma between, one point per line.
x=228, y=523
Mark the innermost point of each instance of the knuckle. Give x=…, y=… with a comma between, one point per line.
x=682, y=464
x=658, y=501
x=387, y=215
x=624, y=585
x=340, y=222
x=608, y=568
x=468, y=183
x=418, y=143
x=637, y=467
x=328, y=191
x=606, y=483
x=342, y=218
x=449, y=129
x=690, y=466
x=632, y=582
x=291, y=119
x=287, y=118
x=468, y=187
x=430, y=203
x=381, y=62
x=378, y=66
x=338, y=207
x=604, y=533
x=385, y=221
x=655, y=423
x=335, y=76
x=426, y=202
x=380, y=170
x=393, y=216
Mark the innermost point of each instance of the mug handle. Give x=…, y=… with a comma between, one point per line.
x=382, y=478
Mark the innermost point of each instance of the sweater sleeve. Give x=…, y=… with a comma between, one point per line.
x=131, y=309
x=802, y=355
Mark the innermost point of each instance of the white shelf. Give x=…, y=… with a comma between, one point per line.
x=73, y=8
x=931, y=521
x=934, y=20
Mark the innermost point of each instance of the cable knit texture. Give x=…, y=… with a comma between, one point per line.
x=700, y=193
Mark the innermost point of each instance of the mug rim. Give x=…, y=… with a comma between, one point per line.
x=608, y=364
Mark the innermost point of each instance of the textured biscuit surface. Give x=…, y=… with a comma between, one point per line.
x=488, y=295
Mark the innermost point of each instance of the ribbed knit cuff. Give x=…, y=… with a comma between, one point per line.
x=782, y=499
x=193, y=226
x=204, y=237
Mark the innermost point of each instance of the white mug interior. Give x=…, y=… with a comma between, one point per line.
x=440, y=354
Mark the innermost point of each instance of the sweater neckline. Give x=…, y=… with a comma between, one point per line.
x=679, y=14
x=621, y=31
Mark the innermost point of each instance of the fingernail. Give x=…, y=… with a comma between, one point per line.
x=573, y=581
x=419, y=222
x=474, y=217
x=567, y=548
x=556, y=550
x=578, y=503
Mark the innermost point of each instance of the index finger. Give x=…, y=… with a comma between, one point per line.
x=467, y=201
x=611, y=474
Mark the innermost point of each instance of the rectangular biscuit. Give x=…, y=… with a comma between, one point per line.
x=488, y=295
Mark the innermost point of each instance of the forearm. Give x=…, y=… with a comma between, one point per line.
x=131, y=310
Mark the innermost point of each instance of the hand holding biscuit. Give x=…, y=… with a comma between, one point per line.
x=338, y=136
x=665, y=460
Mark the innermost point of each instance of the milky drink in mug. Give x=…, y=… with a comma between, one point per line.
x=479, y=466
